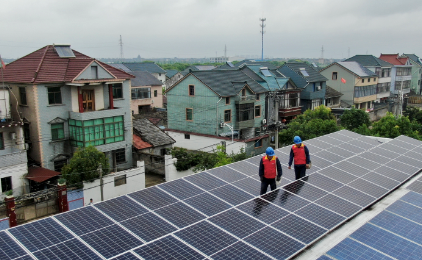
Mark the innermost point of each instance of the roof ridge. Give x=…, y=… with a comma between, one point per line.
x=39, y=65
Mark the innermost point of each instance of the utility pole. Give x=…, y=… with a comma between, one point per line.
x=276, y=122
x=121, y=49
x=262, y=33
x=225, y=51
x=100, y=170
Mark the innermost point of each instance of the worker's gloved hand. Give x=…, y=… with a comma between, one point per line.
x=278, y=178
x=262, y=178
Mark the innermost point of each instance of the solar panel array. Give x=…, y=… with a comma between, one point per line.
x=218, y=214
x=395, y=233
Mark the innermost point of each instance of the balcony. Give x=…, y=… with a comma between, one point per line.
x=245, y=99
x=96, y=114
x=244, y=124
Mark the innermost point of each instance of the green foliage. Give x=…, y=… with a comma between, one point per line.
x=391, y=127
x=61, y=181
x=9, y=193
x=182, y=66
x=311, y=124
x=414, y=114
x=84, y=166
x=354, y=118
x=277, y=63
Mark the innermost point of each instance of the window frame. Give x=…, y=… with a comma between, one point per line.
x=155, y=93
x=116, y=87
x=121, y=155
x=259, y=142
x=230, y=115
x=6, y=179
x=260, y=111
x=54, y=95
x=257, y=97
x=187, y=136
x=336, y=75
x=55, y=132
x=227, y=99
x=22, y=96
x=191, y=90
x=186, y=115
x=120, y=180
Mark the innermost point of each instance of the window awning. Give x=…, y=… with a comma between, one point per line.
x=40, y=174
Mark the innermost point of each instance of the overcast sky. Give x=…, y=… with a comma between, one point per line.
x=189, y=28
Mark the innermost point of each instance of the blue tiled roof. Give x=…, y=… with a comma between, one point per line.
x=369, y=61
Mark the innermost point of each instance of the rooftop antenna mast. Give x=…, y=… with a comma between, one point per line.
x=121, y=49
x=262, y=33
x=225, y=51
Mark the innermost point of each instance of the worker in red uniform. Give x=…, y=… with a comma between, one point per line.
x=300, y=154
x=269, y=170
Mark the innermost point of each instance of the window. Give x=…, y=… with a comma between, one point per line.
x=6, y=183
x=383, y=87
x=120, y=180
x=334, y=76
x=1, y=142
x=57, y=131
x=363, y=80
x=54, y=96
x=227, y=116
x=155, y=93
x=22, y=95
x=365, y=91
x=246, y=112
x=258, y=143
x=375, y=79
x=315, y=103
x=26, y=133
x=189, y=114
x=58, y=165
x=187, y=136
x=227, y=100
x=117, y=90
x=257, y=97
x=97, y=131
x=398, y=85
x=257, y=111
x=243, y=92
x=141, y=93
x=120, y=156
x=94, y=72
x=163, y=151
x=191, y=90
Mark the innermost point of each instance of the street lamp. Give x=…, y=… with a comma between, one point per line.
x=230, y=127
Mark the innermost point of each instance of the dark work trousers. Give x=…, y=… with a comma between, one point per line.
x=265, y=183
x=300, y=170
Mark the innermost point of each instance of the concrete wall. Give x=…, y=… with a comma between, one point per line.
x=135, y=180
x=102, y=73
x=346, y=89
x=171, y=172
x=377, y=114
x=160, y=76
x=153, y=101
x=17, y=172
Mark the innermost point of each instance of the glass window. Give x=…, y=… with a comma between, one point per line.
x=257, y=97
x=1, y=142
x=54, y=95
x=191, y=90
x=189, y=114
x=155, y=93
x=141, y=93
x=120, y=180
x=120, y=156
x=227, y=100
x=334, y=76
x=117, y=90
x=57, y=131
x=22, y=95
x=257, y=111
x=187, y=136
x=227, y=115
x=6, y=183
x=258, y=143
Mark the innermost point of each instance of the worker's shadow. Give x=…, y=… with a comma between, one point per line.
x=284, y=196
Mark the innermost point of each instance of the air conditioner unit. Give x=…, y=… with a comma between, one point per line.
x=318, y=87
x=264, y=121
x=221, y=125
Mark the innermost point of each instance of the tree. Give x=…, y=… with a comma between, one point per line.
x=354, y=118
x=391, y=127
x=84, y=166
x=414, y=114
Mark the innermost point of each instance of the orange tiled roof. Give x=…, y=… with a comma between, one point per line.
x=139, y=143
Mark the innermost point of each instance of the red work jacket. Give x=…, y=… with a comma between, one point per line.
x=270, y=167
x=299, y=154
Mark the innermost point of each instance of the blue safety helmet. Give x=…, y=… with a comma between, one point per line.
x=297, y=140
x=269, y=151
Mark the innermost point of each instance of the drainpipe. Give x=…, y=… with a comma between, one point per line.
x=216, y=116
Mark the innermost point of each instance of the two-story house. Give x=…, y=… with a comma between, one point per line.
x=357, y=83
x=71, y=100
x=206, y=102
x=416, y=72
x=172, y=76
x=383, y=71
x=13, y=160
x=150, y=67
x=310, y=81
x=401, y=73
x=146, y=92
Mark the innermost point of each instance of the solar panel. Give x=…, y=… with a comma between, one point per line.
x=338, y=205
x=249, y=185
x=237, y=223
x=72, y=249
x=263, y=210
x=319, y=162
x=245, y=168
x=410, y=161
x=406, y=210
x=205, y=180
x=381, y=180
x=340, y=151
x=299, y=228
x=374, y=157
x=384, y=152
x=286, y=200
x=323, y=182
x=64, y=51
x=227, y=174
x=207, y=204
x=153, y=198
x=127, y=256
x=266, y=73
x=181, y=189
x=333, y=158
x=321, y=216
x=403, y=144
x=408, y=140
x=9, y=249
x=305, y=190
x=349, y=249
x=230, y=64
x=231, y=194
x=368, y=188
x=410, y=170
x=351, y=168
x=367, y=164
x=392, y=173
x=121, y=208
x=338, y=175
x=354, y=196
x=351, y=148
x=394, y=148
x=180, y=214
x=416, y=186
x=413, y=198
x=239, y=251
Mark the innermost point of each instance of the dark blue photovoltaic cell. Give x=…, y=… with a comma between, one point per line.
x=392, y=173
x=368, y=188
x=72, y=249
x=148, y=226
x=320, y=216
x=240, y=251
x=387, y=242
x=305, y=190
x=381, y=180
x=153, y=198
x=413, y=198
x=84, y=220
x=121, y=208
x=127, y=256
x=111, y=241
x=286, y=200
x=237, y=223
x=352, y=250
x=324, y=257
x=338, y=205
x=9, y=249
x=40, y=234
x=205, y=180
x=406, y=210
x=274, y=243
x=249, y=185
x=263, y=210
x=227, y=174
x=231, y=194
x=166, y=249
x=399, y=225
x=26, y=257
x=416, y=187
x=208, y=204
x=245, y=167
x=180, y=214
x=180, y=189
x=299, y=228
x=354, y=196
x=206, y=237
x=323, y=182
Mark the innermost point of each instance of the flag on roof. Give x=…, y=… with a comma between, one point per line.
x=2, y=63
x=343, y=80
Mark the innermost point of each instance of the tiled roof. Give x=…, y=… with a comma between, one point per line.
x=267, y=64
x=139, y=143
x=40, y=174
x=330, y=92
x=314, y=76
x=356, y=68
x=171, y=73
x=120, y=67
x=151, y=133
x=227, y=82
x=393, y=59
x=145, y=66
x=45, y=66
x=143, y=78
x=369, y=61
x=414, y=58
x=272, y=83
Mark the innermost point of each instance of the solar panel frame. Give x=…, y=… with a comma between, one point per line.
x=263, y=210
x=180, y=214
x=72, y=249
x=153, y=198
x=181, y=189
x=207, y=204
x=121, y=208
x=205, y=181
x=9, y=248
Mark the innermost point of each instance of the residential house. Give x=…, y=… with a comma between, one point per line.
x=150, y=67
x=310, y=81
x=332, y=97
x=416, y=72
x=357, y=83
x=146, y=92
x=401, y=73
x=13, y=160
x=230, y=65
x=172, y=77
x=197, y=68
x=216, y=101
x=383, y=71
x=150, y=144
x=71, y=100
x=218, y=59
x=120, y=67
